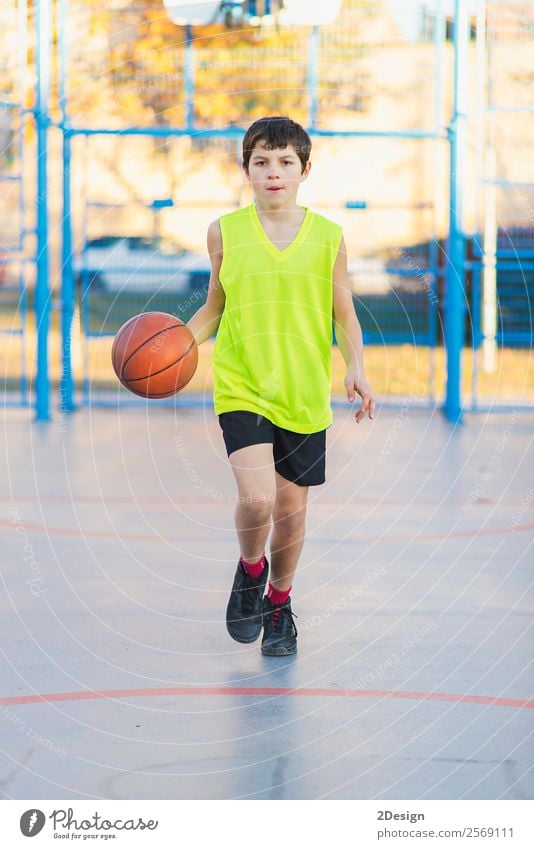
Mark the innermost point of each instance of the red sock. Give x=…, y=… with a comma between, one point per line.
x=277, y=596
x=254, y=569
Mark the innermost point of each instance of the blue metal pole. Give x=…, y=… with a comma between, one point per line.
x=189, y=80
x=440, y=33
x=455, y=271
x=42, y=288
x=237, y=132
x=313, y=76
x=66, y=400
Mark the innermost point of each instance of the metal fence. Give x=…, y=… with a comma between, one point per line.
x=146, y=120
x=17, y=154
x=324, y=77
x=500, y=254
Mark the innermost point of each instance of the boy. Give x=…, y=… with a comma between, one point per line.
x=279, y=277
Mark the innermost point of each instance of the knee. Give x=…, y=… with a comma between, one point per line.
x=291, y=521
x=257, y=508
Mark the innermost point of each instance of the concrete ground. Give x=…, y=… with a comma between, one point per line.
x=412, y=678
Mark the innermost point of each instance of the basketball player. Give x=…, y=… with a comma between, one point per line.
x=279, y=278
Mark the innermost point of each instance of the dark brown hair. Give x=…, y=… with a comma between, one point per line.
x=277, y=131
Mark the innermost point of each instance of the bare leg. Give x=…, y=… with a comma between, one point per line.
x=253, y=469
x=287, y=539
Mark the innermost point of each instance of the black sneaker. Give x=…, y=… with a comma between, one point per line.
x=280, y=633
x=243, y=614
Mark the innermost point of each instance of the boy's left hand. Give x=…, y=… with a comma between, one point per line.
x=354, y=381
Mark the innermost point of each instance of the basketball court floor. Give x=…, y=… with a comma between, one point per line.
x=413, y=675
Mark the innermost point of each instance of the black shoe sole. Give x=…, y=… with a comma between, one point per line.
x=239, y=639
x=277, y=652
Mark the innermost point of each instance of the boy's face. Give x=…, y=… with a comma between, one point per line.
x=275, y=175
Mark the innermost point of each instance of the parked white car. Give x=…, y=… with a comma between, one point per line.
x=138, y=264
x=369, y=276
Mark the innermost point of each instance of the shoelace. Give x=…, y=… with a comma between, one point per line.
x=277, y=621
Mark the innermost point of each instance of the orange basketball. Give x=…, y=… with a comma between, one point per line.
x=154, y=355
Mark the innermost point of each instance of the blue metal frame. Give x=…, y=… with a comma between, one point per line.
x=189, y=80
x=455, y=300
x=518, y=260
x=438, y=132
x=237, y=132
x=66, y=389
x=513, y=299
x=13, y=251
x=312, y=80
x=42, y=287
x=440, y=33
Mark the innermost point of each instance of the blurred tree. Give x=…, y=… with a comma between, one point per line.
x=138, y=57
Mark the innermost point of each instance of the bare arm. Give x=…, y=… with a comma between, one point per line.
x=206, y=320
x=348, y=331
x=349, y=335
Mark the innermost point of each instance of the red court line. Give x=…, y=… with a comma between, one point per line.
x=159, y=499
x=320, y=692
x=76, y=532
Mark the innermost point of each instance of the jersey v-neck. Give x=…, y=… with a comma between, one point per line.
x=271, y=247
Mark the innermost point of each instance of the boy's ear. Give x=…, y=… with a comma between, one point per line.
x=307, y=169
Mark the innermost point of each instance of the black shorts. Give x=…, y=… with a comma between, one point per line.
x=298, y=457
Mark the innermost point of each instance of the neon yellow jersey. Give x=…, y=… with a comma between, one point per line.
x=273, y=351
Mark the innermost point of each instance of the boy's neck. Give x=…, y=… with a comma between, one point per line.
x=277, y=213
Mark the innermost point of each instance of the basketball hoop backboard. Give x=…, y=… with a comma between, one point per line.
x=201, y=13
x=304, y=13
x=285, y=12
